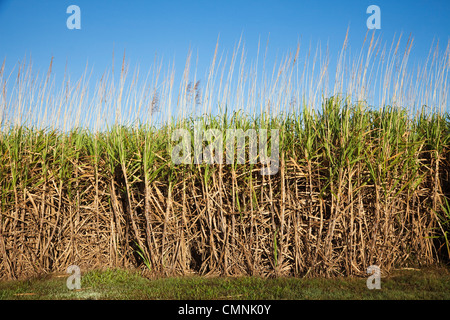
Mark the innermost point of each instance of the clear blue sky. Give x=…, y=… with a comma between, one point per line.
x=169, y=28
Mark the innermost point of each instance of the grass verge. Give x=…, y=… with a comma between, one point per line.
x=420, y=284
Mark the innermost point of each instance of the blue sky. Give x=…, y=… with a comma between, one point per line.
x=169, y=28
